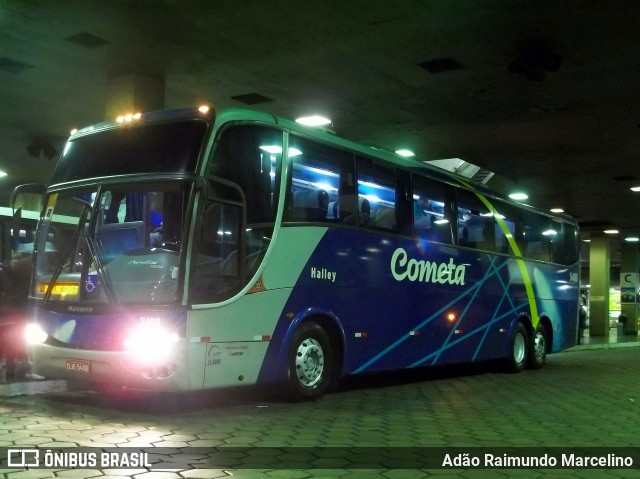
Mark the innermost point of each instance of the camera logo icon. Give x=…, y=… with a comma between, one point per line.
x=23, y=458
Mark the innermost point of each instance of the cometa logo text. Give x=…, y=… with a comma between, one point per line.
x=426, y=271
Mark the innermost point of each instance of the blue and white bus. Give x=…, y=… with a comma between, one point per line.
x=192, y=249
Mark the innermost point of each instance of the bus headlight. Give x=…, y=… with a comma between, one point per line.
x=34, y=334
x=148, y=342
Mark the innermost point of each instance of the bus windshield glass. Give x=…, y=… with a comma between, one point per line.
x=112, y=244
x=153, y=148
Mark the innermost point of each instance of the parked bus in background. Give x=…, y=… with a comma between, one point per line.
x=17, y=233
x=197, y=249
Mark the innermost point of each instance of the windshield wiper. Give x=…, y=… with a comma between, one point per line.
x=56, y=274
x=102, y=273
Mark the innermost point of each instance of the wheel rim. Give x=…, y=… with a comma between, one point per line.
x=519, y=348
x=539, y=346
x=309, y=362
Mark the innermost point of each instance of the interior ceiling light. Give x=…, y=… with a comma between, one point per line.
x=632, y=239
x=405, y=153
x=556, y=210
x=518, y=196
x=635, y=188
x=313, y=120
x=611, y=232
x=3, y=174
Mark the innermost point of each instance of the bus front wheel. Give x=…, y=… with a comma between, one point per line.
x=310, y=363
x=518, y=349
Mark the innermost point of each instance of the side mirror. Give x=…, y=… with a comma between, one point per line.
x=29, y=197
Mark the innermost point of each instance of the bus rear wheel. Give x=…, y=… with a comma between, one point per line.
x=311, y=362
x=538, y=353
x=518, y=349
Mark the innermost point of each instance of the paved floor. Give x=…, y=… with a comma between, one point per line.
x=584, y=397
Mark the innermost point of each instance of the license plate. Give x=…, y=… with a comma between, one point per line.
x=78, y=365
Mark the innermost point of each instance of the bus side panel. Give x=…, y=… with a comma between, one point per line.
x=394, y=317
x=236, y=337
x=238, y=334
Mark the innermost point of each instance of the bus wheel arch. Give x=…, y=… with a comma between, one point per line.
x=314, y=357
x=541, y=340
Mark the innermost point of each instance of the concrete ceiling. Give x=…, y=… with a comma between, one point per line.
x=545, y=93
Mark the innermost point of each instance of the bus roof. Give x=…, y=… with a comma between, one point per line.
x=226, y=115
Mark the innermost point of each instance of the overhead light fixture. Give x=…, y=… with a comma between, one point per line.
x=611, y=232
x=632, y=239
x=556, y=210
x=406, y=153
x=3, y=174
x=313, y=120
x=635, y=188
x=518, y=196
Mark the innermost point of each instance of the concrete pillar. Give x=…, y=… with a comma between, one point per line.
x=133, y=93
x=629, y=269
x=600, y=280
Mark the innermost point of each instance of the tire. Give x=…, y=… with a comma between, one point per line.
x=538, y=349
x=518, y=349
x=311, y=362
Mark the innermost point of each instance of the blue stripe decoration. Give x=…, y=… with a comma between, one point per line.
x=468, y=335
x=491, y=272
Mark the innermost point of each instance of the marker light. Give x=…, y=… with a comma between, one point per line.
x=129, y=117
x=150, y=342
x=518, y=196
x=406, y=153
x=313, y=120
x=34, y=334
x=451, y=317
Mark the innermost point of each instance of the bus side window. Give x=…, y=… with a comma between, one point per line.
x=432, y=210
x=511, y=217
x=377, y=193
x=476, y=221
x=536, y=232
x=217, y=268
x=319, y=183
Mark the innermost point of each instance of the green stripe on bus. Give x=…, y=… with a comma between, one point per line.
x=528, y=284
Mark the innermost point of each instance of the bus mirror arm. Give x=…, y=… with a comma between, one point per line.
x=202, y=185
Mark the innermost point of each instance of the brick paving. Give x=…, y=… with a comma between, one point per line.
x=582, y=398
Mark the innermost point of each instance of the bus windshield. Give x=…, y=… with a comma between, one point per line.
x=116, y=244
